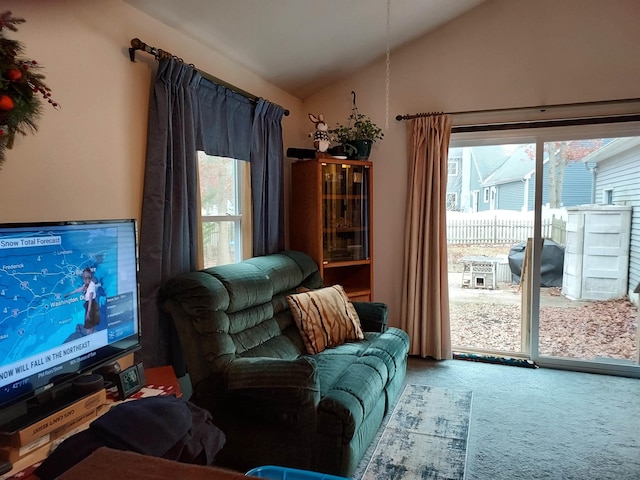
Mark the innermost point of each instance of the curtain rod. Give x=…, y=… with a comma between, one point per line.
x=137, y=44
x=541, y=108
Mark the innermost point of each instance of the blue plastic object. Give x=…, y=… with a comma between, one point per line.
x=286, y=473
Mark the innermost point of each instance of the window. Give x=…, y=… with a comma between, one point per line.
x=221, y=182
x=486, y=195
x=453, y=167
x=475, y=200
x=452, y=201
x=607, y=196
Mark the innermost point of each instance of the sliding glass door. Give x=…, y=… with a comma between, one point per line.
x=488, y=220
x=544, y=246
x=593, y=182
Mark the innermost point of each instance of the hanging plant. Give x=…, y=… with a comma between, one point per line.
x=359, y=134
x=22, y=88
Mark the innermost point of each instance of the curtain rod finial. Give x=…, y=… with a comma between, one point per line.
x=136, y=44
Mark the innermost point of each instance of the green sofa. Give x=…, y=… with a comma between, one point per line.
x=276, y=404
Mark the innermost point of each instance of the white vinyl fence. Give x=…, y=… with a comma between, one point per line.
x=500, y=231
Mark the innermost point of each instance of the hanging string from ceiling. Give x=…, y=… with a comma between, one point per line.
x=137, y=44
x=388, y=67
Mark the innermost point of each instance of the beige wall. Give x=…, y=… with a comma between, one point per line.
x=504, y=53
x=87, y=159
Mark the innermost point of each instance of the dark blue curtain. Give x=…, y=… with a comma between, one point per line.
x=226, y=121
x=267, y=179
x=168, y=226
x=188, y=113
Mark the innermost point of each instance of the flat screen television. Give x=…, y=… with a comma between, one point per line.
x=68, y=305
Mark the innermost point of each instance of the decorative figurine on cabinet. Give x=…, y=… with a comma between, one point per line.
x=321, y=138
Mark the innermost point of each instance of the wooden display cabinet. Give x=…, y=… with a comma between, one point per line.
x=331, y=220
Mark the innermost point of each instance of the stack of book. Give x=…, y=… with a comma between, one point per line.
x=34, y=442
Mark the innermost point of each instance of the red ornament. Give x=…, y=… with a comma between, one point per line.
x=6, y=103
x=13, y=74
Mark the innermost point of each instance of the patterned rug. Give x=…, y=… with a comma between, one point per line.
x=425, y=437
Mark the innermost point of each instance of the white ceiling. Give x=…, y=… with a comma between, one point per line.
x=302, y=45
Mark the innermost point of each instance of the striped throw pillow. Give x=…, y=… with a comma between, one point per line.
x=325, y=317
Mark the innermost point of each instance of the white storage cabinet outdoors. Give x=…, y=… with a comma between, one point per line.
x=596, y=257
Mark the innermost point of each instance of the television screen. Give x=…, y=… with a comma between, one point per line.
x=68, y=302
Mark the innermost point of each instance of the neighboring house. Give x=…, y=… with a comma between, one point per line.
x=508, y=187
x=455, y=182
x=513, y=183
x=492, y=178
x=616, y=172
x=468, y=169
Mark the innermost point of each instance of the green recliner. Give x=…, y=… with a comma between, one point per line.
x=276, y=404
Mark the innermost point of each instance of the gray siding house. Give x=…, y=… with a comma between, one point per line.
x=507, y=187
x=468, y=169
x=512, y=185
x=577, y=185
x=492, y=178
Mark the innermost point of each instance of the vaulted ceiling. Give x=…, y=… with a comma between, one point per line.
x=303, y=45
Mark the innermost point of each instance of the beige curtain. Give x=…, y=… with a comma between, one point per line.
x=425, y=290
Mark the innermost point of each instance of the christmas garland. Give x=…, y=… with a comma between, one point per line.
x=21, y=86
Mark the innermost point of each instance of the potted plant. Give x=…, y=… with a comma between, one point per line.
x=358, y=135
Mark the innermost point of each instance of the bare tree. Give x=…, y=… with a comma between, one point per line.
x=559, y=155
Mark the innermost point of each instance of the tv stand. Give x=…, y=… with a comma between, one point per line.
x=28, y=412
x=160, y=381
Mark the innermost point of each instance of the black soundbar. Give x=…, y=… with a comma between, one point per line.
x=301, y=153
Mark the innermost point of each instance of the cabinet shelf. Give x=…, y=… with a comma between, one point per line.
x=347, y=263
x=344, y=229
x=356, y=295
x=345, y=197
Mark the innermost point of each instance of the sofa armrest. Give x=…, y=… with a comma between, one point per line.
x=373, y=315
x=275, y=391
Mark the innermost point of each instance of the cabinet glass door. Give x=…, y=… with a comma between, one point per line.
x=345, y=198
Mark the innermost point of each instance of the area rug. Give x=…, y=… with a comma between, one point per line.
x=425, y=437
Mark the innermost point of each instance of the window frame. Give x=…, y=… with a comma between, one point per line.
x=237, y=218
x=455, y=161
x=607, y=196
x=455, y=201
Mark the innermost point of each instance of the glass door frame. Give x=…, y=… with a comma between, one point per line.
x=539, y=136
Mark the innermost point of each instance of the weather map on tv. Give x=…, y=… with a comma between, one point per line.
x=65, y=292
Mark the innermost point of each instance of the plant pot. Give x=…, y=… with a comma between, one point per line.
x=342, y=151
x=362, y=149
x=338, y=151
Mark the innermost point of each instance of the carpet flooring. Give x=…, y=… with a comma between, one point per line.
x=424, y=438
x=535, y=424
